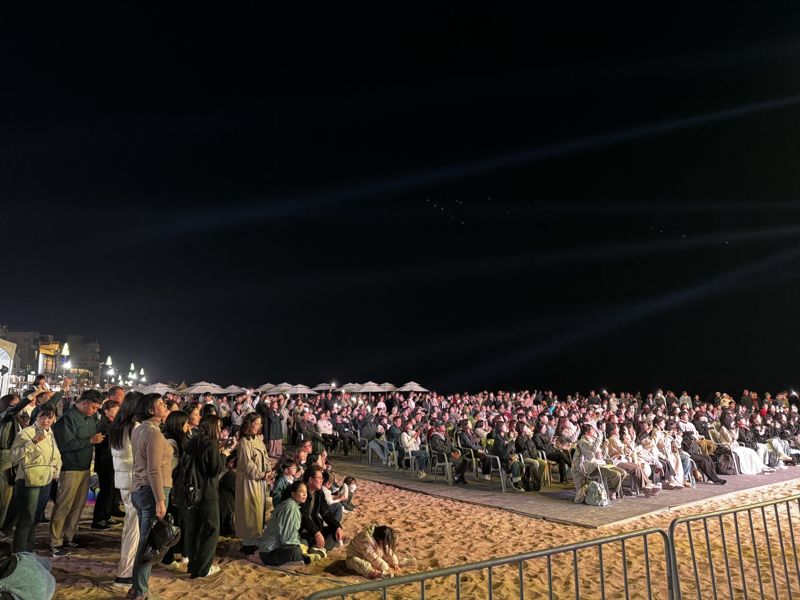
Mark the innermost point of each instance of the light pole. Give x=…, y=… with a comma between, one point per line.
x=65, y=364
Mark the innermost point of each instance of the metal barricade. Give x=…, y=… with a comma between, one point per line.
x=629, y=565
x=748, y=552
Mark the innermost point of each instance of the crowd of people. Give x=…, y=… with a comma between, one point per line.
x=258, y=467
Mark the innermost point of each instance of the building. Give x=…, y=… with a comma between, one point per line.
x=83, y=361
x=38, y=353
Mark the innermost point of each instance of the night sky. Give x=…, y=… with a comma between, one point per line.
x=465, y=198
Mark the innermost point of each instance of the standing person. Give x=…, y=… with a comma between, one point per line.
x=104, y=464
x=37, y=460
x=152, y=481
x=75, y=434
x=122, y=427
x=176, y=430
x=202, y=528
x=253, y=469
x=273, y=430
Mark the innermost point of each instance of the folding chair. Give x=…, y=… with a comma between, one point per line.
x=497, y=467
x=440, y=460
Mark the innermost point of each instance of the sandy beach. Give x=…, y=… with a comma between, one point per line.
x=434, y=533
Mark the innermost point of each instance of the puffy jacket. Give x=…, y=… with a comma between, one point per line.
x=123, y=463
x=26, y=454
x=365, y=547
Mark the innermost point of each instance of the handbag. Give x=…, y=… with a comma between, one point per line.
x=163, y=536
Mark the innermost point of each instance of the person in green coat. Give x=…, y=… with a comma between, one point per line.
x=281, y=541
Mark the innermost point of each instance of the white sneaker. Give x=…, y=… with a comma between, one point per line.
x=213, y=570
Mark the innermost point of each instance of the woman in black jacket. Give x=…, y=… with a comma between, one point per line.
x=202, y=527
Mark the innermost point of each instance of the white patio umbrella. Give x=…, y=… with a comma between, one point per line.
x=265, y=387
x=350, y=387
x=322, y=387
x=281, y=388
x=234, y=389
x=369, y=388
x=388, y=387
x=298, y=389
x=203, y=387
x=158, y=388
x=412, y=386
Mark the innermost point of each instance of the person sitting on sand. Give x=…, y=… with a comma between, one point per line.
x=289, y=471
x=281, y=543
x=319, y=527
x=24, y=575
x=371, y=553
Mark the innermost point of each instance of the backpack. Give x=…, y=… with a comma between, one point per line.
x=187, y=489
x=530, y=479
x=596, y=494
x=726, y=464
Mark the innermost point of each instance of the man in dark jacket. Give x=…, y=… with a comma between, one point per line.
x=439, y=444
x=76, y=434
x=346, y=433
x=317, y=525
x=103, y=464
x=468, y=439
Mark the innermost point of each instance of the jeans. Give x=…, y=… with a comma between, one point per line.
x=30, y=502
x=145, y=503
x=422, y=459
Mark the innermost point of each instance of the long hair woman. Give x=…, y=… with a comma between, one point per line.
x=202, y=527
x=152, y=481
x=119, y=437
x=281, y=541
x=252, y=472
x=176, y=430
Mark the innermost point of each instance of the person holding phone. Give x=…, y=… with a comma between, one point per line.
x=76, y=434
x=37, y=461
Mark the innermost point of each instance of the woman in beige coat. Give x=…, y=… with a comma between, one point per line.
x=253, y=469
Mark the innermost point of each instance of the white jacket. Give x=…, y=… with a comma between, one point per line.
x=123, y=463
x=26, y=454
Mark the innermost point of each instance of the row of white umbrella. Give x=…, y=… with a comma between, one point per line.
x=205, y=387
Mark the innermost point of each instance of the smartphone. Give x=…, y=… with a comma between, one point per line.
x=39, y=431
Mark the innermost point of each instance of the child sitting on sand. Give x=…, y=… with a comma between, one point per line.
x=371, y=553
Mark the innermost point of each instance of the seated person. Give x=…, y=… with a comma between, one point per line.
x=289, y=471
x=439, y=444
x=281, y=543
x=334, y=504
x=588, y=459
x=409, y=443
x=509, y=458
x=346, y=492
x=24, y=575
x=468, y=439
x=319, y=527
x=371, y=553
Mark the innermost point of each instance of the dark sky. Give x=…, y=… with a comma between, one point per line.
x=470, y=199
